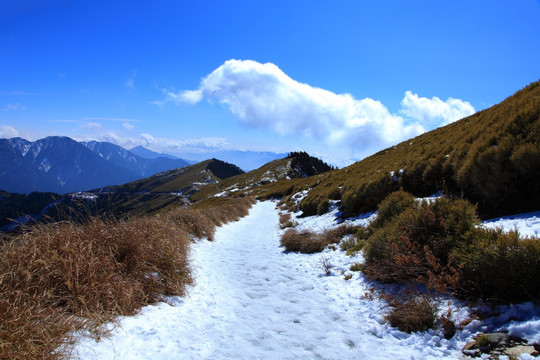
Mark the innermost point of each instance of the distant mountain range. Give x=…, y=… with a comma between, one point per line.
x=149, y=154
x=62, y=165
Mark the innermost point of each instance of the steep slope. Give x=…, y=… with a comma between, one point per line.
x=491, y=158
x=17, y=173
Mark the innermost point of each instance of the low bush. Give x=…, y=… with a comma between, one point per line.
x=335, y=235
x=95, y=271
x=224, y=210
x=498, y=265
x=392, y=206
x=353, y=244
x=439, y=243
x=309, y=242
x=306, y=242
x=412, y=313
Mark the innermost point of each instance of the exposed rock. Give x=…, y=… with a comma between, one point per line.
x=497, y=338
x=471, y=349
x=521, y=349
x=496, y=344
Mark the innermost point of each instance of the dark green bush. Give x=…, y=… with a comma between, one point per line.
x=440, y=244
x=499, y=265
x=392, y=206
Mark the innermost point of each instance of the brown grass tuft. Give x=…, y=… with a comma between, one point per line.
x=309, y=242
x=412, y=313
x=305, y=241
x=285, y=221
x=193, y=222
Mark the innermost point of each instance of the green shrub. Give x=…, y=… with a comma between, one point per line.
x=499, y=265
x=392, y=206
x=416, y=244
x=439, y=243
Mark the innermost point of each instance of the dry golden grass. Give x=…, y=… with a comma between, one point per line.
x=285, y=221
x=62, y=277
x=223, y=210
x=306, y=242
x=309, y=242
x=412, y=313
x=193, y=222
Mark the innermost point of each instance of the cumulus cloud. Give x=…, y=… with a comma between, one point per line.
x=263, y=96
x=7, y=132
x=434, y=111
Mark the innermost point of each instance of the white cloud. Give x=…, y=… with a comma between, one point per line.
x=128, y=126
x=177, y=146
x=263, y=96
x=94, y=126
x=7, y=131
x=434, y=111
x=159, y=144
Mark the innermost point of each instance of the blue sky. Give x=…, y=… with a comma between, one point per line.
x=338, y=79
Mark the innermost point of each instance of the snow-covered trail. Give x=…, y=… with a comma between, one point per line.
x=252, y=301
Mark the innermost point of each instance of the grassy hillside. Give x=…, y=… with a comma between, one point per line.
x=492, y=158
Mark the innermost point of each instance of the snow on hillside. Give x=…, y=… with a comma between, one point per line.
x=253, y=301
x=527, y=224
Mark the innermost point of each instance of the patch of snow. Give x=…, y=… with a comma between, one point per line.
x=25, y=149
x=84, y=195
x=527, y=224
x=431, y=198
x=45, y=165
